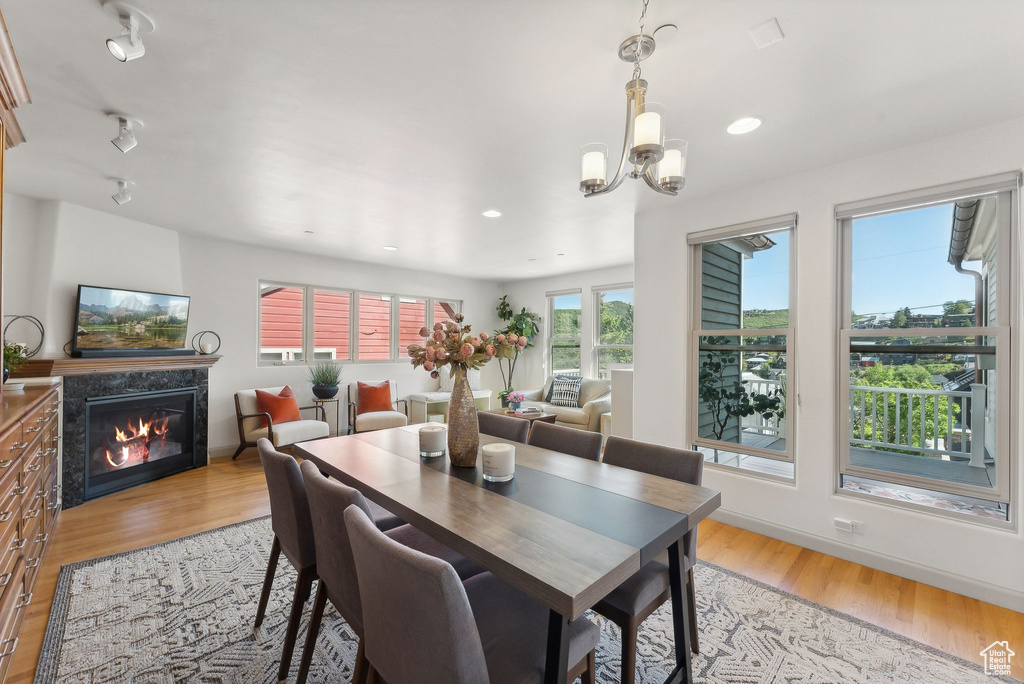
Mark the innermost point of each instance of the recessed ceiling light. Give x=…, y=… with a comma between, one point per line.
x=309, y=232
x=390, y=248
x=561, y=254
x=492, y=213
x=744, y=125
x=531, y=260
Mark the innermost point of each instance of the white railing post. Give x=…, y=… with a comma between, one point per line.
x=978, y=425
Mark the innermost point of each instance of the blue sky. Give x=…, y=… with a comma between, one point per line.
x=898, y=260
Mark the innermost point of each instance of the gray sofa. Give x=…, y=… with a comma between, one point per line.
x=595, y=399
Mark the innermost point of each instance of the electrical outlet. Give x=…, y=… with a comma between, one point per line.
x=843, y=524
x=857, y=527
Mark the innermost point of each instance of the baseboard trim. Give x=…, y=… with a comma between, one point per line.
x=216, y=452
x=967, y=586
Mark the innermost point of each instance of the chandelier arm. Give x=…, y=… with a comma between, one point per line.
x=619, y=174
x=653, y=184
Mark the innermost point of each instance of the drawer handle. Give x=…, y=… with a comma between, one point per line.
x=42, y=419
x=18, y=545
x=18, y=491
x=31, y=563
x=51, y=411
x=36, y=428
x=28, y=600
x=41, y=538
x=31, y=514
x=6, y=578
x=6, y=463
x=18, y=445
x=13, y=647
x=5, y=516
x=54, y=506
x=33, y=468
x=51, y=451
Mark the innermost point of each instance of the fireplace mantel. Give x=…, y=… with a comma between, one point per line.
x=66, y=365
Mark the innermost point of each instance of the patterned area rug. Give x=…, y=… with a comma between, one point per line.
x=182, y=611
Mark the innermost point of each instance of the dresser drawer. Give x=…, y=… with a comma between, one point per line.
x=34, y=542
x=12, y=610
x=10, y=553
x=52, y=499
x=10, y=496
x=31, y=478
x=12, y=446
x=37, y=419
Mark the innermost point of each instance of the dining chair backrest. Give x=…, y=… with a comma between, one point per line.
x=289, y=509
x=567, y=440
x=417, y=617
x=335, y=565
x=654, y=459
x=504, y=427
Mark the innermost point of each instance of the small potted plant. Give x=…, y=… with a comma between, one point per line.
x=14, y=358
x=515, y=399
x=325, y=377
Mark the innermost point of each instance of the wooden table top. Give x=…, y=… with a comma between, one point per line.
x=565, y=530
x=533, y=415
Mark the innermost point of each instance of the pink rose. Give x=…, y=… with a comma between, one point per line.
x=475, y=341
x=440, y=355
x=513, y=338
x=429, y=353
x=500, y=339
x=438, y=336
x=454, y=337
x=438, y=326
x=491, y=351
x=521, y=343
x=428, y=365
x=424, y=332
x=525, y=340
x=467, y=350
x=484, y=336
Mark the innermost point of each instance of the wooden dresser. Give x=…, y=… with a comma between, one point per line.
x=29, y=500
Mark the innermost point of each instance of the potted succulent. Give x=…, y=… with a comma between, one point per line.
x=325, y=377
x=453, y=344
x=14, y=358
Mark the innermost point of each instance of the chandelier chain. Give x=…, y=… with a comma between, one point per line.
x=640, y=43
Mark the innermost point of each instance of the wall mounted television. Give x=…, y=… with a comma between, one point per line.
x=112, y=322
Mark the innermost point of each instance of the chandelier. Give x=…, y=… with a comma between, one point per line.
x=659, y=162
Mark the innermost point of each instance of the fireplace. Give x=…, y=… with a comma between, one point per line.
x=138, y=437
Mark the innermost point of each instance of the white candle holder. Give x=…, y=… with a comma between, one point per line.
x=499, y=462
x=433, y=439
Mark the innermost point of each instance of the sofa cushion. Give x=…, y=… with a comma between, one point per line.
x=549, y=386
x=292, y=432
x=432, y=397
x=282, y=406
x=569, y=415
x=592, y=389
x=566, y=391
x=380, y=420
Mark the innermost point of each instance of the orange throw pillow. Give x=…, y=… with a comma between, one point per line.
x=282, y=407
x=370, y=398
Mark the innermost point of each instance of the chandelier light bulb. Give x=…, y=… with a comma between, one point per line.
x=647, y=129
x=672, y=167
x=594, y=166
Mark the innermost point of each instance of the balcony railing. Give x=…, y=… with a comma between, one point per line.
x=947, y=425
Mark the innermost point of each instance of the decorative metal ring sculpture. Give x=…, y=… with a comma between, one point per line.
x=197, y=342
x=34, y=321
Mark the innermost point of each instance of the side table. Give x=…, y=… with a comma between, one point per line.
x=337, y=412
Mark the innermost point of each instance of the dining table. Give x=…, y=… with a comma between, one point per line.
x=565, y=530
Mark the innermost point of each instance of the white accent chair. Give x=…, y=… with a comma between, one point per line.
x=422, y=405
x=282, y=434
x=595, y=398
x=375, y=420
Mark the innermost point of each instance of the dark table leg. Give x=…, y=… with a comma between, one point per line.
x=556, y=665
x=680, y=609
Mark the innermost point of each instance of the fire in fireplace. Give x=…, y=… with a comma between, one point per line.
x=138, y=437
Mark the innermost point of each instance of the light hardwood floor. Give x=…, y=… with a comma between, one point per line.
x=230, y=491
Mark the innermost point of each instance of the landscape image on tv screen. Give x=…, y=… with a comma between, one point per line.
x=123, y=319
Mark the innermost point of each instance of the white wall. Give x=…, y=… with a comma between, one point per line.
x=532, y=368
x=222, y=279
x=965, y=557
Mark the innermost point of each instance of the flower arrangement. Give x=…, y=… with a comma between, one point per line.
x=452, y=344
x=516, y=397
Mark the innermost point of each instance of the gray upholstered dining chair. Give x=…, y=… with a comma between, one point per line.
x=629, y=604
x=335, y=567
x=567, y=440
x=505, y=427
x=293, y=534
x=479, y=631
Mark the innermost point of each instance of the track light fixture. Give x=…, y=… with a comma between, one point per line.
x=124, y=192
x=128, y=45
x=125, y=139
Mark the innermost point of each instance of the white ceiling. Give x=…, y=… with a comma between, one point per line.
x=389, y=122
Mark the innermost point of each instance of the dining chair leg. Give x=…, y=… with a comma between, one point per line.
x=312, y=632
x=268, y=581
x=293, y=623
x=362, y=665
x=371, y=674
x=694, y=635
x=629, y=629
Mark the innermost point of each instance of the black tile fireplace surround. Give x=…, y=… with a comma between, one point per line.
x=99, y=389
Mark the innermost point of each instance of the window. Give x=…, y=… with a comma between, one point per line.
x=281, y=323
x=299, y=322
x=374, y=327
x=332, y=313
x=613, y=332
x=924, y=349
x=566, y=312
x=742, y=358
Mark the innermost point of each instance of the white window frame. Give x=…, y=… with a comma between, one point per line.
x=578, y=339
x=1006, y=187
x=695, y=241
x=595, y=353
x=396, y=354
